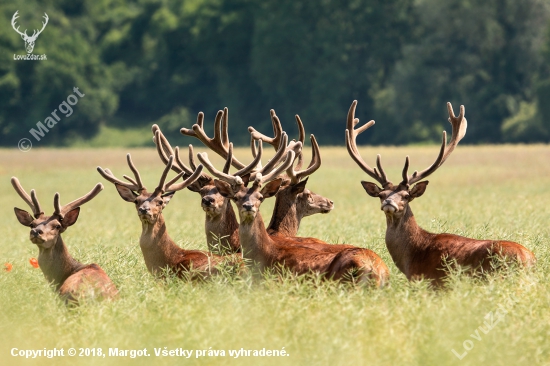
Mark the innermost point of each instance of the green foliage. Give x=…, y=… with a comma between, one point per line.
x=146, y=61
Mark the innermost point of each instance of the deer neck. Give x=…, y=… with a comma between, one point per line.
x=404, y=238
x=56, y=263
x=285, y=219
x=255, y=241
x=159, y=250
x=223, y=227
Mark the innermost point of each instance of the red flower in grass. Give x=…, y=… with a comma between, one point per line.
x=34, y=262
x=8, y=267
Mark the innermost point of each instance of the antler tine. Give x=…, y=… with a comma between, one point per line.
x=135, y=171
x=278, y=155
x=179, y=186
x=254, y=164
x=459, y=125
x=78, y=202
x=182, y=167
x=231, y=179
x=225, y=126
x=277, y=132
x=280, y=169
x=35, y=202
x=164, y=175
x=23, y=194
x=134, y=185
x=218, y=143
x=227, y=165
x=164, y=149
x=351, y=145
x=302, y=139
x=297, y=175
x=56, y=205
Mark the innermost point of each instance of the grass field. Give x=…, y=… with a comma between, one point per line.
x=498, y=192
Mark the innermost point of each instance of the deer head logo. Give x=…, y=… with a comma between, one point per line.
x=29, y=41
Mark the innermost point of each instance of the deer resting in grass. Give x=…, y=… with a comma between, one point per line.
x=72, y=279
x=220, y=221
x=159, y=250
x=416, y=252
x=300, y=256
x=293, y=201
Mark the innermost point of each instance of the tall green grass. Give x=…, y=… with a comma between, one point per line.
x=482, y=192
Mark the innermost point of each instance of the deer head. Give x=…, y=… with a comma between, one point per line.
x=45, y=230
x=149, y=206
x=293, y=189
x=212, y=202
x=247, y=199
x=29, y=41
x=395, y=198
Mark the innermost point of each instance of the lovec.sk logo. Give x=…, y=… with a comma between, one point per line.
x=29, y=40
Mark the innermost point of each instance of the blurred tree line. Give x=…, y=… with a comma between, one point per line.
x=152, y=61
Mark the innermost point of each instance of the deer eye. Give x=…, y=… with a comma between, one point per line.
x=261, y=199
x=406, y=196
x=58, y=227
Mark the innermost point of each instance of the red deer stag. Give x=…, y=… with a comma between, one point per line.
x=220, y=221
x=296, y=254
x=159, y=250
x=72, y=279
x=416, y=252
x=293, y=201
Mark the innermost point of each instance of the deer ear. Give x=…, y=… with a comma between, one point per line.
x=224, y=188
x=372, y=189
x=418, y=189
x=23, y=216
x=271, y=188
x=299, y=187
x=126, y=193
x=70, y=217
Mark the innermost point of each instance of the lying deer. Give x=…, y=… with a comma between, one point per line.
x=299, y=255
x=416, y=252
x=72, y=279
x=159, y=250
x=220, y=221
x=293, y=201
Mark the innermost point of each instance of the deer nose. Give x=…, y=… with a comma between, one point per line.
x=207, y=201
x=143, y=210
x=248, y=206
x=36, y=232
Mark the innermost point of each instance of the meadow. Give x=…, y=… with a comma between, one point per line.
x=498, y=192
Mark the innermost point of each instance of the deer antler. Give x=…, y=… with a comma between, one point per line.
x=134, y=185
x=31, y=200
x=459, y=125
x=297, y=175
x=61, y=211
x=235, y=178
x=351, y=144
x=220, y=142
x=278, y=133
x=172, y=186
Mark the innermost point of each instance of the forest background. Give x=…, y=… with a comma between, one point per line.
x=151, y=61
